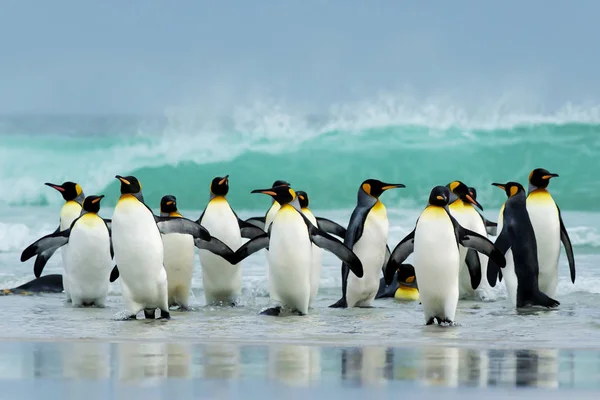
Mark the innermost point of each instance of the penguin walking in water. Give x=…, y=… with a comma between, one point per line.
x=71, y=209
x=490, y=226
x=178, y=258
x=435, y=242
x=317, y=253
x=403, y=286
x=549, y=230
x=472, y=264
x=138, y=249
x=366, y=236
x=265, y=222
x=518, y=235
x=290, y=252
x=89, y=254
x=223, y=281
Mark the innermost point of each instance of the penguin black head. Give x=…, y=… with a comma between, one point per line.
x=91, y=204
x=439, y=196
x=540, y=178
x=220, y=186
x=375, y=188
x=281, y=194
x=406, y=275
x=281, y=183
x=302, y=198
x=511, y=188
x=168, y=204
x=129, y=184
x=462, y=192
x=68, y=190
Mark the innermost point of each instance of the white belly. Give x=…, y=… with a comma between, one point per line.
x=88, y=260
x=436, y=259
x=69, y=212
x=546, y=224
x=370, y=249
x=468, y=218
x=138, y=251
x=222, y=281
x=290, y=260
x=316, y=261
x=509, y=276
x=179, y=262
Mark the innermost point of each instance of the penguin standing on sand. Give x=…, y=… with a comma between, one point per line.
x=71, y=209
x=490, y=226
x=549, y=230
x=472, y=265
x=89, y=254
x=518, y=235
x=317, y=253
x=366, y=236
x=178, y=258
x=435, y=241
x=223, y=281
x=138, y=249
x=289, y=241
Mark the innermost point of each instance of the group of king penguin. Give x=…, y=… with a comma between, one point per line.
x=153, y=255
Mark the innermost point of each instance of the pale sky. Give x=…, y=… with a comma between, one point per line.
x=144, y=56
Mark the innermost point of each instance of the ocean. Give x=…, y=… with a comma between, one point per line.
x=494, y=347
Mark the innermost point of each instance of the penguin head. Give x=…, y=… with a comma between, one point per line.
x=375, y=188
x=439, y=196
x=91, y=204
x=168, y=204
x=473, y=193
x=68, y=190
x=511, y=188
x=220, y=186
x=406, y=275
x=462, y=192
x=129, y=184
x=302, y=198
x=282, y=194
x=540, y=178
x=281, y=183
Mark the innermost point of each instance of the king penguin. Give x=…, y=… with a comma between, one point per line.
x=518, y=235
x=403, y=287
x=71, y=209
x=223, y=281
x=435, y=242
x=289, y=241
x=549, y=230
x=317, y=253
x=265, y=222
x=490, y=226
x=472, y=264
x=139, y=253
x=366, y=236
x=178, y=258
x=89, y=254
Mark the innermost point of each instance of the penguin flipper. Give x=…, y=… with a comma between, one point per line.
x=503, y=245
x=386, y=258
x=564, y=238
x=251, y=247
x=217, y=247
x=257, y=221
x=181, y=225
x=114, y=274
x=52, y=283
x=44, y=248
x=108, y=223
x=387, y=290
x=491, y=227
x=328, y=242
x=474, y=267
x=400, y=253
x=329, y=226
x=482, y=244
x=248, y=230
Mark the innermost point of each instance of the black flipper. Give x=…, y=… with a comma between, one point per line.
x=564, y=238
x=44, y=248
x=52, y=283
x=491, y=227
x=108, y=223
x=248, y=230
x=329, y=226
x=257, y=221
x=217, y=247
x=251, y=247
x=386, y=258
x=182, y=225
x=503, y=245
x=114, y=274
x=400, y=253
x=474, y=266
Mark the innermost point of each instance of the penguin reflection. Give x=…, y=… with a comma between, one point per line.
x=367, y=365
x=294, y=365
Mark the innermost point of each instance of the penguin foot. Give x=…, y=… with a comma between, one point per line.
x=150, y=313
x=446, y=321
x=341, y=303
x=165, y=314
x=182, y=308
x=430, y=321
x=273, y=311
x=300, y=313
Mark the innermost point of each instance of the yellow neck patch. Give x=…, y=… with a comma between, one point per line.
x=175, y=214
